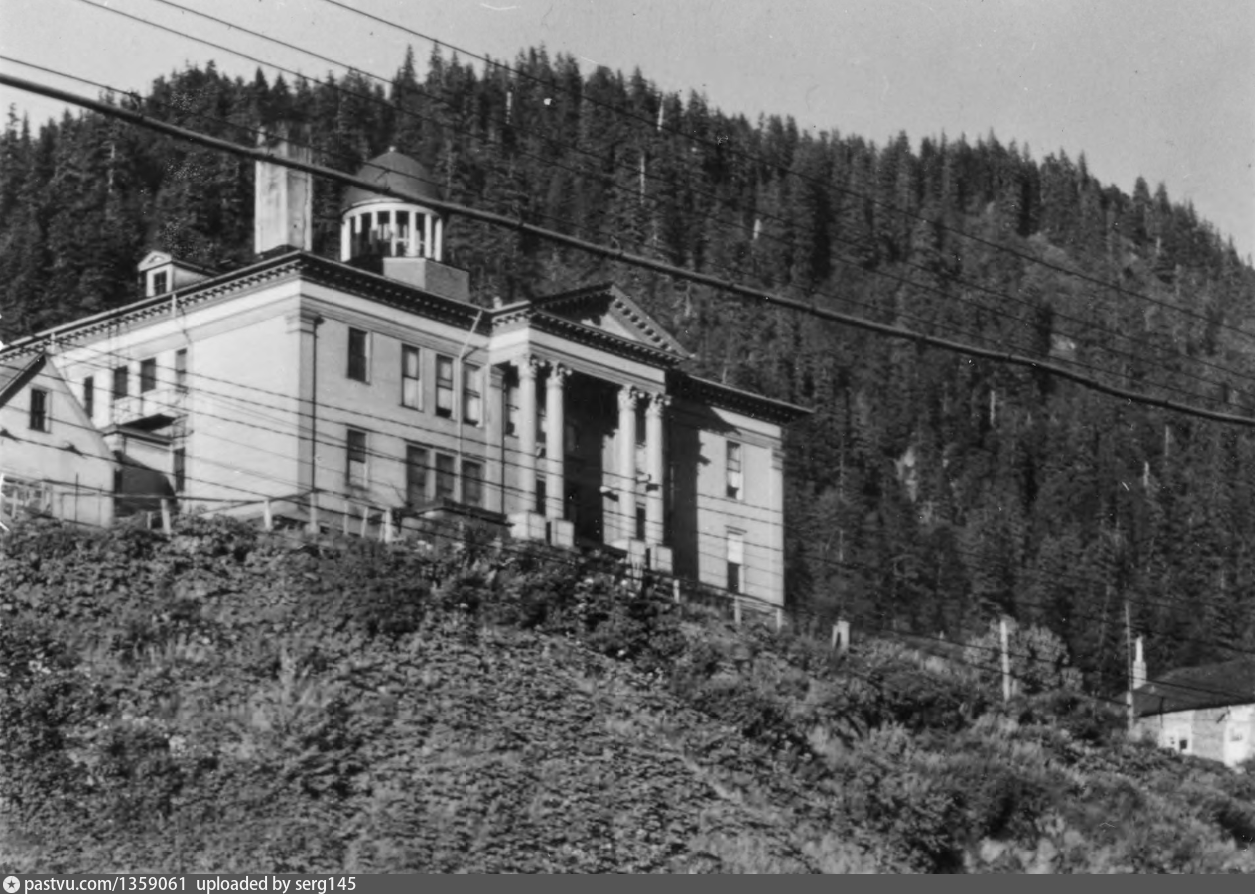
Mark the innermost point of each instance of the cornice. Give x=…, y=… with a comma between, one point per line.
x=284, y=267
x=718, y=395
x=598, y=338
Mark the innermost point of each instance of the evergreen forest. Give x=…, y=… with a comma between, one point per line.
x=930, y=491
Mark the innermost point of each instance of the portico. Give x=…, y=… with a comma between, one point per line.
x=591, y=474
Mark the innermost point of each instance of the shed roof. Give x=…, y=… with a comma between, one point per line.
x=1190, y=688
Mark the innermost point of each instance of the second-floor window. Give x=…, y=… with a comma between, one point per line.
x=120, y=384
x=355, y=446
x=411, y=379
x=472, y=398
x=180, y=470
x=89, y=396
x=734, y=471
x=444, y=386
x=39, y=420
x=147, y=374
x=359, y=355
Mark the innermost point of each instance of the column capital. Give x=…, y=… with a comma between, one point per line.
x=528, y=365
x=558, y=374
x=628, y=397
x=658, y=402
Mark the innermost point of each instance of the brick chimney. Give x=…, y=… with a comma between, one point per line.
x=1139, y=665
x=283, y=212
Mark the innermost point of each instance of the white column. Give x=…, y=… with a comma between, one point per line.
x=655, y=464
x=346, y=235
x=555, y=446
x=438, y=248
x=427, y=246
x=626, y=484
x=527, y=433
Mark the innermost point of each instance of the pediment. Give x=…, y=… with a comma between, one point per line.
x=610, y=309
x=154, y=259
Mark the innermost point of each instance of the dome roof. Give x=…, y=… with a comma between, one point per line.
x=392, y=170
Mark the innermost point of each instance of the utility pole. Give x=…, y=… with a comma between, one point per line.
x=1006, y=660
x=1128, y=660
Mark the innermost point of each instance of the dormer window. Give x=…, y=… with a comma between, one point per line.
x=161, y=282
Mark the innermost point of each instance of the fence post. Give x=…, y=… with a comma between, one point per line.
x=387, y=525
x=736, y=609
x=365, y=517
x=268, y=518
x=675, y=589
x=841, y=636
x=165, y=517
x=779, y=619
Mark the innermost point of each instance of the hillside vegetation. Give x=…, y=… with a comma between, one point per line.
x=930, y=491
x=227, y=700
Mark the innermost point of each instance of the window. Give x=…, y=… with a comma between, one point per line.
x=161, y=282
x=444, y=386
x=472, y=483
x=147, y=374
x=472, y=400
x=180, y=370
x=1183, y=744
x=411, y=380
x=640, y=521
x=736, y=560
x=39, y=410
x=734, y=470
x=415, y=475
x=512, y=408
x=359, y=360
x=89, y=396
x=355, y=444
x=180, y=469
x=119, y=382
x=444, y=477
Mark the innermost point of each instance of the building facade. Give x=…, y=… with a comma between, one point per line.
x=371, y=390
x=1207, y=711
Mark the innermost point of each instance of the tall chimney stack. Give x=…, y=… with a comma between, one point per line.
x=283, y=213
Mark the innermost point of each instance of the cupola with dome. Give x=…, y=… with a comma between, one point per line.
x=401, y=239
x=375, y=224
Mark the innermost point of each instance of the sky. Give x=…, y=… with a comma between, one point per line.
x=1157, y=88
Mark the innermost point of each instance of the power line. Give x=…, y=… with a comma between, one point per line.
x=629, y=258
x=1165, y=351
x=240, y=150
x=696, y=138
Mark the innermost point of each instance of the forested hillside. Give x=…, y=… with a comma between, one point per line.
x=930, y=490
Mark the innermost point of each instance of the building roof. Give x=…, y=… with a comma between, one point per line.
x=606, y=303
x=747, y=402
x=392, y=170
x=1189, y=688
x=16, y=371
